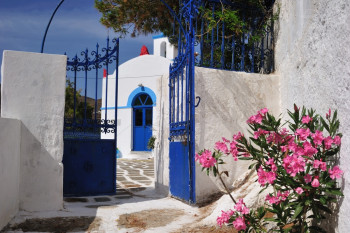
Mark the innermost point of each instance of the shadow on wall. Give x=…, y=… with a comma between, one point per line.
x=41, y=176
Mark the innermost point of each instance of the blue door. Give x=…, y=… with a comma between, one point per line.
x=142, y=121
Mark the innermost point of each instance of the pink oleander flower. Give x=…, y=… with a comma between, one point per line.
x=246, y=155
x=283, y=196
x=315, y=183
x=292, y=146
x=239, y=224
x=278, y=198
x=328, y=142
x=225, y=140
x=319, y=164
x=309, y=150
x=241, y=207
x=317, y=137
x=335, y=173
x=284, y=131
x=306, y=119
x=294, y=164
x=263, y=111
x=337, y=140
x=224, y=218
x=299, y=190
x=221, y=146
x=272, y=164
x=274, y=137
x=265, y=177
x=234, y=150
x=260, y=132
x=284, y=148
x=272, y=199
x=238, y=136
x=308, y=178
x=302, y=133
x=206, y=159
x=255, y=119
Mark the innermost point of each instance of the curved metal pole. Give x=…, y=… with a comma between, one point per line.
x=48, y=25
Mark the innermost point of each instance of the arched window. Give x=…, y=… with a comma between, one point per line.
x=142, y=100
x=163, y=49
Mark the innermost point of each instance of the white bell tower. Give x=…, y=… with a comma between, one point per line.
x=162, y=47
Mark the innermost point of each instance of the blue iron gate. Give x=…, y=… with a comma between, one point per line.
x=89, y=161
x=181, y=107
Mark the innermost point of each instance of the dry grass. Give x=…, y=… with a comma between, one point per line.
x=149, y=218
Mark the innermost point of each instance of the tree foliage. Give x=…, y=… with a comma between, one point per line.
x=80, y=104
x=150, y=16
x=136, y=16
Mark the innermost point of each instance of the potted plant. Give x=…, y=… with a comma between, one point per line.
x=151, y=144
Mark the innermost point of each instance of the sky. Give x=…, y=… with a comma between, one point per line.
x=74, y=28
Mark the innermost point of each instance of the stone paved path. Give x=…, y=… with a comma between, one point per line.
x=133, y=173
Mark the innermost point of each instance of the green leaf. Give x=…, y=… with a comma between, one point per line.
x=245, y=158
x=323, y=200
x=271, y=220
x=251, y=166
x=324, y=124
x=298, y=210
x=334, y=192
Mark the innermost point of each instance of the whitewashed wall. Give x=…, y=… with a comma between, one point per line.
x=312, y=59
x=145, y=70
x=161, y=168
x=228, y=99
x=10, y=134
x=33, y=91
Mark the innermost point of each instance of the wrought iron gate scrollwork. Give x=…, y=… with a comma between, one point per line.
x=89, y=161
x=181, y=106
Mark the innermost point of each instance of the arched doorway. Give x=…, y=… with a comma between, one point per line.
x=142, y=121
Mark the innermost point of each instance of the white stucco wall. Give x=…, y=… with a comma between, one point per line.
x=161, y=166
x=312, y=59
x=145, y=70
x=228, y=99
x=10, y=130
x=33, y=91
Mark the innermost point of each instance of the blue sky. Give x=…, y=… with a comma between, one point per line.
x=74, y=28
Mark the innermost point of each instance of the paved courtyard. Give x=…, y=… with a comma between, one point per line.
x=135, y=173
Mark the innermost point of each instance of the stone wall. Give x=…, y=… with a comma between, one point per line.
x=312, y=59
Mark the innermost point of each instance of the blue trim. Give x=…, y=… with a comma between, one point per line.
x=134, y=93
x=158, y=36
x=121, y=107
x=141, y=90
